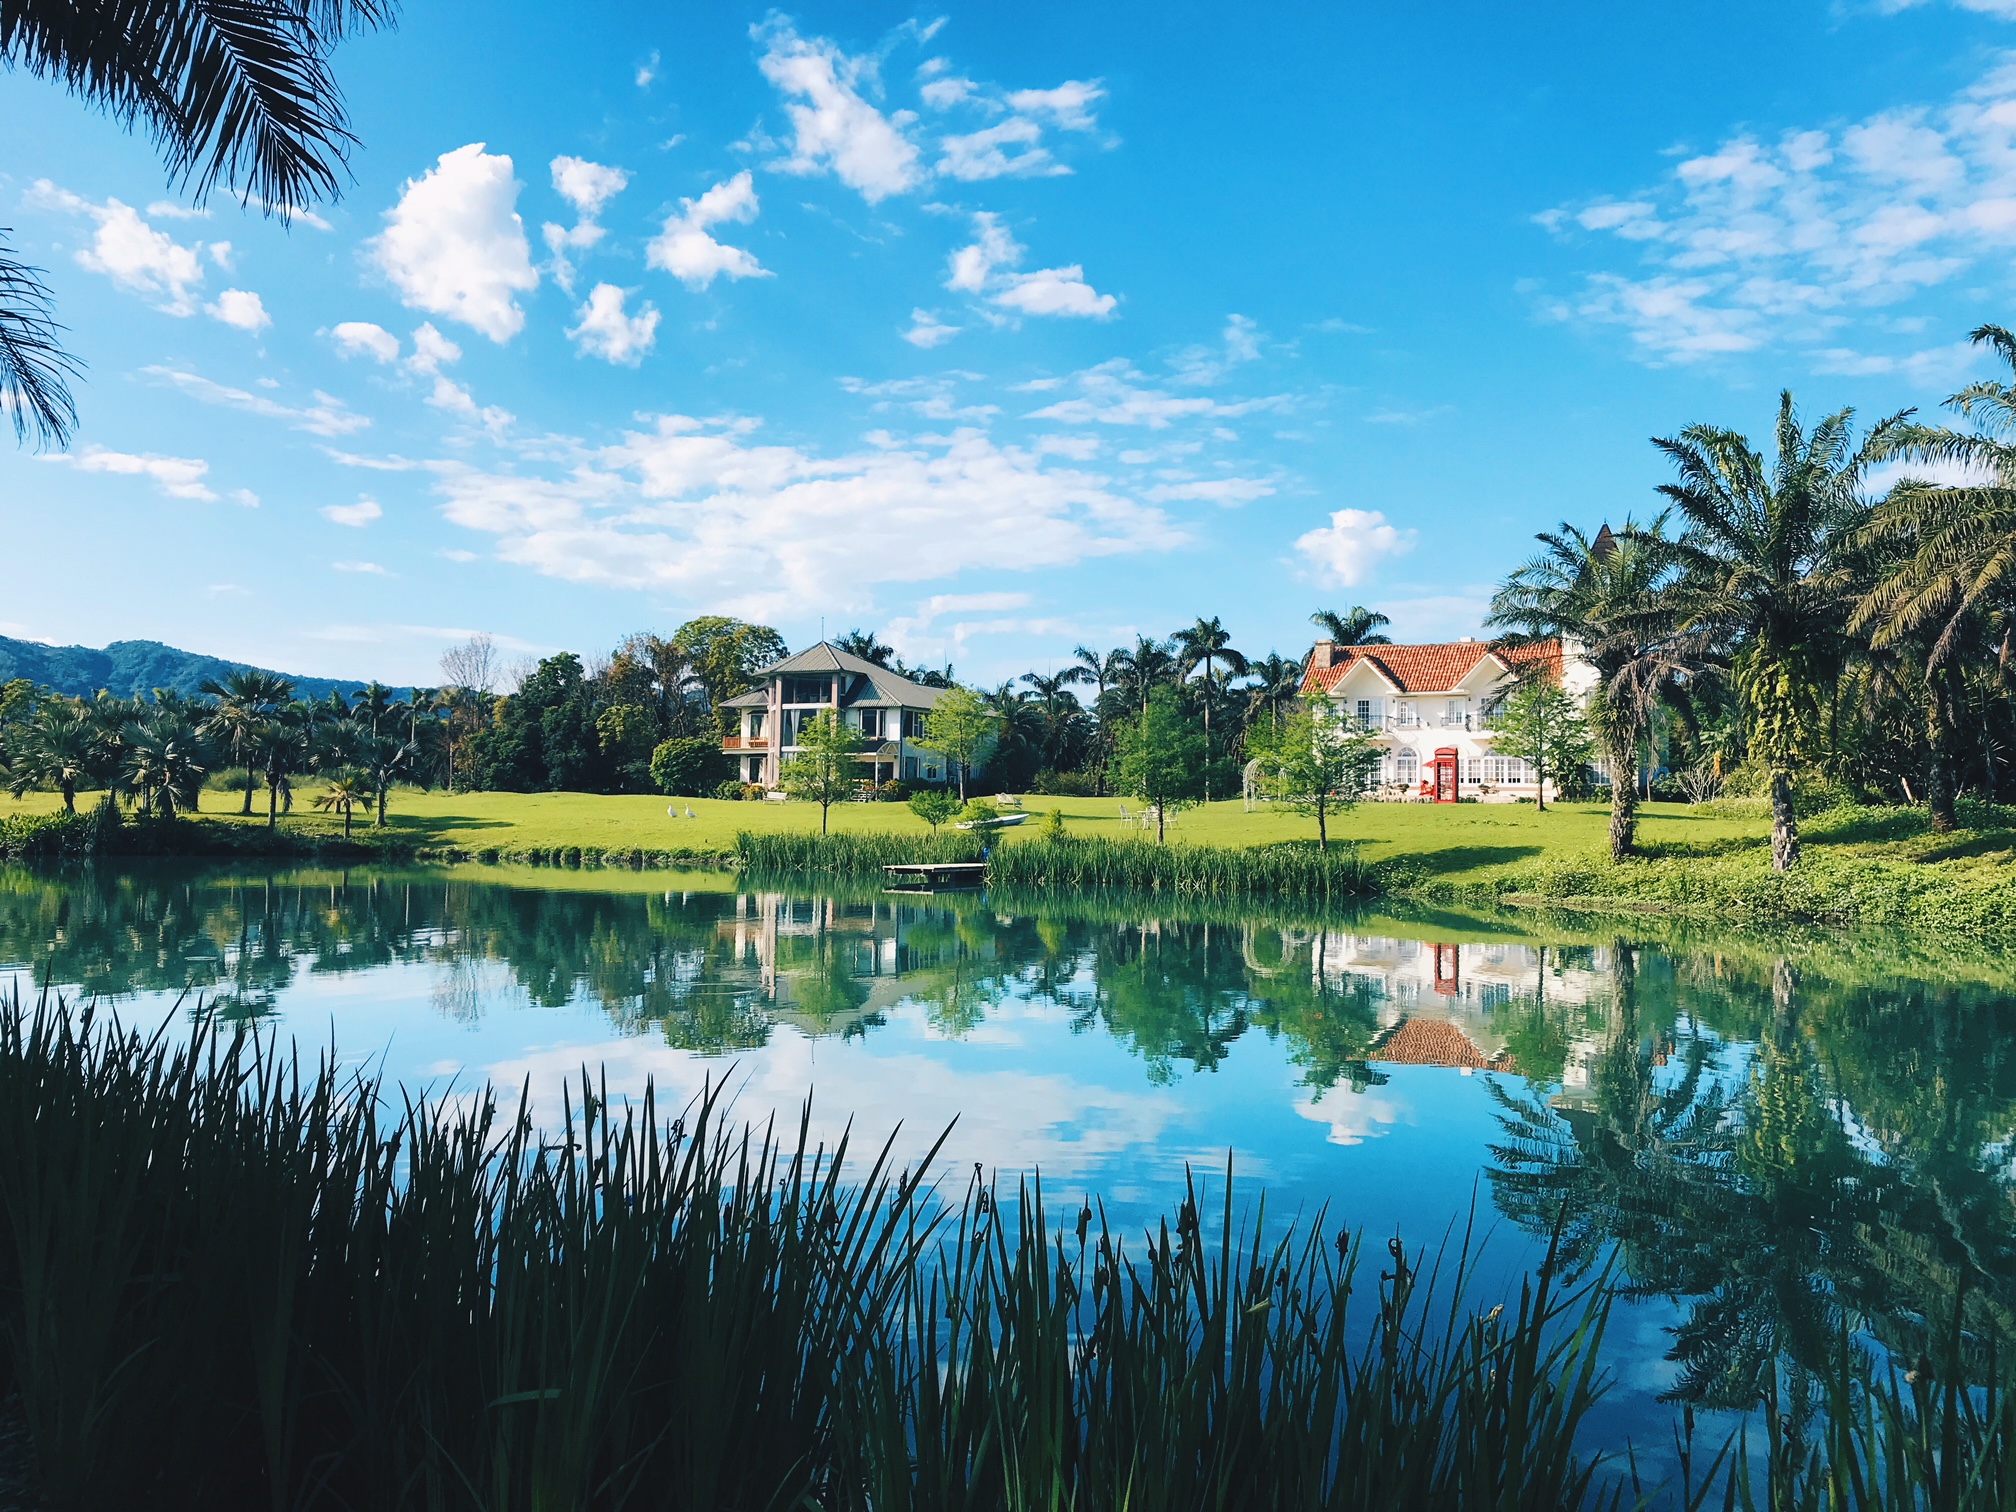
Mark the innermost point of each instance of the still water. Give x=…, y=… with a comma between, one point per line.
x=1771, y=1136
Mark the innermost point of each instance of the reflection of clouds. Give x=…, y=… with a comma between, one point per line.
x=1355, y=1117
x=1008, y=1120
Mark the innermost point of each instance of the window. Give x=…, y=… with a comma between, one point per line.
x=755, y=768
x=910, y=768
x=871, y=723
x=1364, y=711
x=1406, y=766
x=808, y=690
x=913, y=725
x=1452, y=716
x=756, y=717
x=1404, y=715
x=1473, y=770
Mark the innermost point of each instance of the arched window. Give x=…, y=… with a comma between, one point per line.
x=1406, y=766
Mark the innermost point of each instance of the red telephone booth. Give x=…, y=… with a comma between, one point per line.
x=1449, y=970
x=1444, y=771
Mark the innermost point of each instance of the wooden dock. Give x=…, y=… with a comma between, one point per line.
x=929, y=874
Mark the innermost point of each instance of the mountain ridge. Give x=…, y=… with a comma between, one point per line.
x=130, y=668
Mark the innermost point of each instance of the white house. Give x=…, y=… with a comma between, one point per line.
x=886, y=711
x=1432, y=709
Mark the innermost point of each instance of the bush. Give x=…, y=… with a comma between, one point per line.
x=688, y=768
x=934, y=806
x=734, y=790
x=1067, y=784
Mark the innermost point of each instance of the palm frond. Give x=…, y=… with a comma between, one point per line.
x=34, y=369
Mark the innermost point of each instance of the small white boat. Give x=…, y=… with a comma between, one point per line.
x=999, y=821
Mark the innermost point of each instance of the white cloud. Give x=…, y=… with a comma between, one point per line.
x=606, y=332
x=1226, y=491
x=928, y=331
x=1114, y=393
x=647, y=70
x=1792, y=240
x=1355, y=541
x=177, y=477
x=241, y=308
x=837, y=129
x=431, y=350
x=371, y=569
x=587, y=187
x=1011, y=149
x=130, y=252
x=455, y=246
x=169, y=210
x=689, y=254
x=1069, y=105
x=983, y=267
x=356, y=516
x=360, y=338
x=699, y=509
x=327, y=416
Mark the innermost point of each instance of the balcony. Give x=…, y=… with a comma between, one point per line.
x=745, y=742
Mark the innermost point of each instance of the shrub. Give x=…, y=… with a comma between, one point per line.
x=688, y=767
x=935, y=806
x=734, y=790
x=1066, y=784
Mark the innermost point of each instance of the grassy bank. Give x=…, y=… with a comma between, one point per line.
x=229, y=1282
x=1869, y=866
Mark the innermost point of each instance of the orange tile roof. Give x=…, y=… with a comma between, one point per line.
x=1434, y=1042
x=1435, y=668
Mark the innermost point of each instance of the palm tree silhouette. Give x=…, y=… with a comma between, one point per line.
x=1203, y=644
x=1354, y=627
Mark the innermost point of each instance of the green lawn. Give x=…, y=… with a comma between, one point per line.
x=1470, y=843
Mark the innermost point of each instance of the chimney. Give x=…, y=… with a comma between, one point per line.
x=1325, y=654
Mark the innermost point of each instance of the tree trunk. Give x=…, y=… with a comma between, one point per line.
x=1540, y=786
x=822, y=818
x=250, y=774
x=1623, y=800
x=1161, y=814
x=1939, y=784
x=347, y=808
x=381, y=804
x=1784, y=823
x=1322, y=825
x=70, y=797
x=272, y=798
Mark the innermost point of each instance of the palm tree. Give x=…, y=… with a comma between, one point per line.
x=374, y=704
x=1611, y=597
x=60, y=748
x=1768, y=556
x=1354, y=627
x=380, y=760
x=166, y=759
x=346, y=791
x=862, y=643
x=1204, y=644
x=285, y=742
x=246, y=702
x=238, y=95
x=1145, y=668
x=1277, y=682
x=1063, y=715
x=1021, y=726
x=1947, y=555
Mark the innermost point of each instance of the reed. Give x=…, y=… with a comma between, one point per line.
x=231, y=1280
x=849, y=855
x=1289, y=872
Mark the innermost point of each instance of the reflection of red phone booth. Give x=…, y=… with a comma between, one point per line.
x=1443, y=769
x=1449, y=970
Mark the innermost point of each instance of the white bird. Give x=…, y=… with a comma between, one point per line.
x=689, y=812
x=672, y=812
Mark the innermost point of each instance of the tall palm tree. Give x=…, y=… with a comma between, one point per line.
x=59, y=748
x=1946, y=555
x=1354, y=627
x=246, y=702
x=285, y=744
x=1063, y=716
x=166, y=759
x=1100, y=671
x=862, y=643
x=1613, y=597
x=238, y=94
x=374, y=704
x=1144, y=668
x=1207, y=644
x=1768, y=552
x=1277, y=682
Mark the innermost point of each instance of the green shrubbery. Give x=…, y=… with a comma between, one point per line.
x=851, y=855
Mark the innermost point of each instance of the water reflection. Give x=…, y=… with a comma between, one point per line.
x=1780, y=1139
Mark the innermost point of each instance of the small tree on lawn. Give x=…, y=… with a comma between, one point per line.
x=1317, y=764
x=962, y=726
x=825, y=771
x=1159, y=758
x=935, y=806
x=1541, y=724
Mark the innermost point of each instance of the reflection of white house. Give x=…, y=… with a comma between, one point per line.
x=1433, y=704
x=887, y=712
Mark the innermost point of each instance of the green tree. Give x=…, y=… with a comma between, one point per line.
x=1356, y=626
x=1159, y=757
x=824, y=771
x=726, y=654
x=346, y=791
x=627, y=735
x=58, y=748
x=1207, y=644
x=1769, y=557
x=1317, y=763
x=286, y=742
x=1277, y=682
x=1540, y=724
x=240, y=96
x=935, y=806
x=165, y=759
x=689, y=767
x=246, y=701
x=962, y=726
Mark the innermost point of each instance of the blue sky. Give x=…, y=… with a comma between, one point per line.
x=994, y=329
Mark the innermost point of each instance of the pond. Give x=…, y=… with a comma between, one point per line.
x=1772, y=1136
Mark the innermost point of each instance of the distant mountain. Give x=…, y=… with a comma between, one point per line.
x=129, y=668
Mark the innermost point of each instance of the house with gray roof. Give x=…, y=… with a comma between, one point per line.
x=885, y=710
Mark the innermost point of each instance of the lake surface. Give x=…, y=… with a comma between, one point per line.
x=1772, y=1135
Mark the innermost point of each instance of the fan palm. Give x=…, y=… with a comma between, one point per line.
x=165, y=760
x=1207, y=644
x=1947, y=554
x=1356, y=626
x=1768, y=558
x=236, y=92
x=1612, y=597
x=246, y=702
x=346, y=791
x=59, y=749
x=285, y=742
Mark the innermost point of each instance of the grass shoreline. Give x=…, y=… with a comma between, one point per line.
x=1863, y=866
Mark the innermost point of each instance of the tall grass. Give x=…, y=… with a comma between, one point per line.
x=850, y=855
x=231, y=1281
x=1293, y=873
